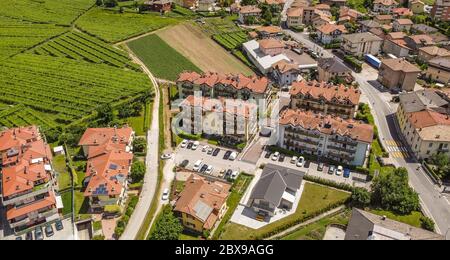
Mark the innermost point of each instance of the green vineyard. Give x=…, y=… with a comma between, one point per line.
x=80, y=46
x=231, y=41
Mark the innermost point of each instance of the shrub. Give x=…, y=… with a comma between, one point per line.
x=427, y=223
x=360, y=197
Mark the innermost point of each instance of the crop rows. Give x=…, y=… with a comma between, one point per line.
x=20, y=115
x=231, y=41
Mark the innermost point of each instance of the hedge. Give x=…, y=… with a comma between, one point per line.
x=189, y=136
x=340, y=186
x=355, y=64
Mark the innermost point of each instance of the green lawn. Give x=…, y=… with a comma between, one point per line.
x=164, y=61
x=64, y=179
x=187, y=237
x=138, y=123
x=112, y=26
x=412, y=219
x=97, y=225
x=314, y=198
x=316, y=230
x=81, y=205
x=67, y=202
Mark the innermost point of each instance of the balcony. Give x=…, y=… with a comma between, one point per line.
x=346, y=142
x=42, y=190
x=341, y=149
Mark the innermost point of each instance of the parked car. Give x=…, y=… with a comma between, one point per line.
x=294, y=159
x=49, y=230
x=332, y=169
x=300, y=161
x=275, y=156
x=234, y=175
x=195, y=145
x=222, y=173
x=29, y=235
x=166, y=156
x=216, y=152
x=203, y=168
x=233, y=156
x=320, y=167
x=314, y=55
x=189, y=145
x=346, y=173
x=227, y=154
x=184, y=163
x=184, y=143
x=268, y=154
x=339, y=170
x=205, y=148
x=210, y=151
x=228, y=173
x=209, y=169
x=38, y=234
x=18, y=238
x=281, y=159
x=59, y=225
x=197, y=165
x=165, y=194
x=307, y=164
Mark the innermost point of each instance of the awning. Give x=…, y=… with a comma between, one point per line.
x=288, y=197
x=59, y=202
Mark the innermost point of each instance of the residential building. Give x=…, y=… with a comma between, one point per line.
x=401, y=12
x=279, y=3
x=320, y=20
x=384, y=6
x=378, y=32
x=215, y=85
x=367, y=25
x=248, y=11
x=439, y=70
x=423, y=29
x=284, y=73
x=28, y=178
x=383, y=19
x=334, y=2
x=233, y=120
x=271, y=46
x=348, y=15
x=330, y=33
x=294, y=17
x=332, y=69
x=109, y=157
x=202, y=203
x=187, y=3
x=441, y=10
x=396, y=47
x=415, y=42
x=417, y=7
x=344, y=141
x=401, y=25
x=325, y=98
x=206, y=5
x=358, y=44
x=398, y=74
x=364, y=225
x=276, y=188
x=440, y=39
x=264, y=60
x=158, y=5
x=432, y=52
x=324, y=8
x=269, y=31
x=395, y=36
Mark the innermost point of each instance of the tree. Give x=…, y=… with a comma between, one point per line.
x=105, y=114
x=99, y=2
x=267, y=15
x=360, y=197
x=110, y=3
x=249, y=2
x=137, y=171
x=139, y=145
x=167, y=227
x=427, y=223
x=442, y=161
x=392, y=192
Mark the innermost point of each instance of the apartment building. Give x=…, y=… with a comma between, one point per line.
x=431, y=52
x=439, y=70
x=331, y=69
x=396, y=47
x=358, y=44
x=330, y=33
x=294, y=17
x=234, y=121
x=215, y=85
x=398, y=74
x=441, y=10
x=284, y=73
x=109, y=157
x=384, y=6
x=401, y=25
x=28, y=179
x=248, y=12
x=325, y=98
x=343, y=141
x=415, y=42
x=383, y=19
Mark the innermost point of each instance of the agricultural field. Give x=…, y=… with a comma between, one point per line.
x=113, y=26
x=231, y=41
x=197, y=46
x=61, y=88
x=17, y=36
x=80, y=46
x=218, y=25
x=160, y=58
x=45, y=11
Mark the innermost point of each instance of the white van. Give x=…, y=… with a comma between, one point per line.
x=233, y=156
x=195, y=145
x=197, y=165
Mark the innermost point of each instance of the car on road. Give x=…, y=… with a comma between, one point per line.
x=49, y=230
x=203, y=168
x=209, y=169
x=189, y=145
x=332, y=169
x=184, y=163
x=281, y=159
x=165, y=194
x=234, y=175
x=29, y=235
x=294, y=159
x=59, y=225
x=233, y=156
x=300, y=161
x=38, y=234
x=216, y=152
x=346, y=173
x=339, y=170
x=227, y=154
x=275, y=156
x=197, y=165
x=268, y=154
x=314, y=55
x=195, y=145
x=228, y=173
x=205, y=148
x=184, y=143
x=320, y=167
x=166, y=156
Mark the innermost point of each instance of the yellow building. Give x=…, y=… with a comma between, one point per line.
x=417, y=7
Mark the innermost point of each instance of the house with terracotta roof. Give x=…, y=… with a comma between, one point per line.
x=358, y=44
x=186, y=3
x=398, y=74
x=415, y=42
x=320, y=19
x=342, y=140
x=271, y=46
x=294, y=17
x=417, y=6
x=206, y=5
x=330, y=33
x=332, y=69
x=269, y=31
x=423, y=29
x=334, y=2
x=325, y=98
x=395, y=44
x=263, y=57
x=233, y=120
x=384, y=6
x=401, y=12
x=431, y=52
x=284, y=72
x=383, y=19
x=367, y=25
x=439, y=70
x=347, y=14
x=109, y=158
x=401, y=25
x=158, y=5
x=28, y=178
x=245, y=12
x=279, y=3
x=202, y=203
x=215, y=85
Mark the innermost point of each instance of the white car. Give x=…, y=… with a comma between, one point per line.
x=197, y=165
x=275, y=156
x=195, y=145
x=300, y=161
x=339, y=170
x=165, y=195
x=233, y=156
x=234, y=175
x=205, y=148
x=294, y=159
x=184, y=143
x=166, y=156
x=209, y=169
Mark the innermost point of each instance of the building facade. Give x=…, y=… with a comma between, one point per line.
x=439, y=70
x=332, y=69
x=359, y=44
x=398, y=74
x=441, y=10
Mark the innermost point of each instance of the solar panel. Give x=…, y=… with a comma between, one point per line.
x=113, y=166
x=202, y=210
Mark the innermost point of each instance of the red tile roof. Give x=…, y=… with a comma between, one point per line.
x=231, y=106
x=385, y=2
x=402, y=11
x=271, y=43
x=48, y=201
x=427, y=118
x=328, y=92
x=329, y=28
x=17, y=136
x=248, y=9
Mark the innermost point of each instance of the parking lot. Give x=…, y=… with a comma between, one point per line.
x=355, y=179
x=65, y=234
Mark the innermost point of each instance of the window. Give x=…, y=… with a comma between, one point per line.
x=430, y=145
x=428, y=152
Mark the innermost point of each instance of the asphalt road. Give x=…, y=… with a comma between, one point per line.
x=434, y=204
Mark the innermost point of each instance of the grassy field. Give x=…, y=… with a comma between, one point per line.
x=59, y=164
x=314, y=198
x=112, y=26
x=316, y=230
x=198, y=47
x=412, y=219
x=160, y=58
x=67, y=202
